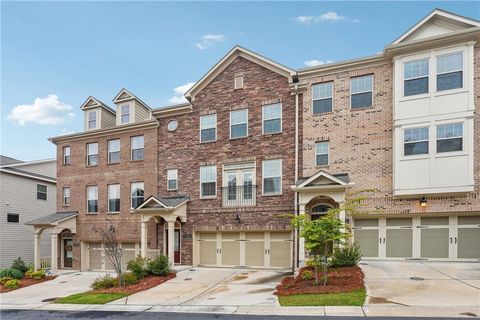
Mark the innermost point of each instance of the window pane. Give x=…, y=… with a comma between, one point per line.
x=322, y=91
x=271, y=185
x=413, y=148
x=449, y=81
x=92, y=206
x=450, y=62
x=92, y=193
x=272, y=111
x=172, y=174
x=137, y=154
x=93, y=160
x=66, y=151
x=415, y=69
x=322, y=106
x=272, y=168
x=114, y=157
x=114, y=191
x=361, y=100
x=92, y=148
x=321, y=147
x=239, y=130
x=137, y=142
x=209, y=121
x=92, y=116
x=41, y=188
x=208, y=189
x=239, y=116
x=415, y=86
x=272, y=126
x=361, y=84
x=415, y=134
x=450, y=130
x=208, y=135
x=322, y=159
x=13, y=218
x=449, y=145
x=114, y=145
x=208, y=173
x=125, y=109
x=172, y=184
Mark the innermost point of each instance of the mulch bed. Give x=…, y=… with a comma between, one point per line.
x=144, y=284
x=339, y=280
x=25, y=282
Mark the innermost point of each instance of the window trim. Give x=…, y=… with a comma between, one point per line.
x=131, y=192
x=124, y=114
x=331, y=97
x=119, y=151
x=216, y=136
x=176, y=179
x=449, y=138
x=89, y=121
x=420, y=59
x=46, y=191
x=231, y=124
x=88, y=155
x=132, y=149
x=64, y=197
x=428, y=142
x=372, y=91
x=17, y=215
x=281, y=118
x=108, y=197
x=319, y=154
x=200, y=180
x=462, y=52
x=263, y=178
x=240, y=86
x=65, y=163
x=86, y=190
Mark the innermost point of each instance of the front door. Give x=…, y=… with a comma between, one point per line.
x=67, y=253
x=176, y=245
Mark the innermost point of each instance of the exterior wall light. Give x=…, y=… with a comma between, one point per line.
x=423, y=202
x=237, y=219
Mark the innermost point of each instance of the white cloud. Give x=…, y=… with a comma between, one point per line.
x=179, y=93
x=305, y=19
x=314, y=62
x=49, y=110
x=208, y=40
x=331, y=17
x=325, y=17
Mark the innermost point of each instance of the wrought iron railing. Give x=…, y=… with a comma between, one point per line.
x=239, y=196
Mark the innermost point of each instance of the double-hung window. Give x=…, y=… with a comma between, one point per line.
x=415, y=141
x=137, y=148
x=361, y=92
x=41, y=192
x=66, y=196
x=92, y=119
x=238, y=124
x=208, y=128
x=208, y=181
x=415, y=77
x=172, y=179
x=272, y=118
x=322, y=101
x=92, y=199
x=92, y=154
x=321, y=153
x=450, y=71
x=450, y=137
x=114, y=151
x=125, y=114
x=13, y=217
x=137, y=192
x=113, y=198
x=272, y=177
x=66, y=155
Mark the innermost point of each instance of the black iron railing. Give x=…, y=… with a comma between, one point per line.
x=239, y=196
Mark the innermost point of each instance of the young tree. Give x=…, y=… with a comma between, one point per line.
x=112, y=248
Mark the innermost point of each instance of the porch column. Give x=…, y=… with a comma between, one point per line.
x=143, y=238
x=301, y=240
x=54, y=253
x=171, y=239
x=36, y=249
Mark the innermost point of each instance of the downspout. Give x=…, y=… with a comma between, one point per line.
x=296, y=177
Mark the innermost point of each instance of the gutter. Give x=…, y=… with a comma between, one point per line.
x=296, y=178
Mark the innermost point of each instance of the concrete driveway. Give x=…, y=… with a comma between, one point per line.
x=410, y=283
x=212, y=287
x=62, y=286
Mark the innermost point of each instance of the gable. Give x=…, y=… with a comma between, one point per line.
x=323, y=179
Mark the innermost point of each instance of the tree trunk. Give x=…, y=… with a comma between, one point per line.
x=315, y=268
x=325, y=261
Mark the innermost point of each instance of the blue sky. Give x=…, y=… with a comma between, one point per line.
x=55, y=54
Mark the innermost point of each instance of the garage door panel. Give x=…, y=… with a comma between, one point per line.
x=468, y=243
x=399, y=243
x=280, y=254
x=95, y=259
x=255, y=253
x=368, y=242
x=208, y=252
x=231, y=253
x=434, y=243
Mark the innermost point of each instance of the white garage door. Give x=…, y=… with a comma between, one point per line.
x=263, y=249
x=98, y=260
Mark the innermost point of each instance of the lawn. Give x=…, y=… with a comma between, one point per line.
x=353, y=298
x=91, y=298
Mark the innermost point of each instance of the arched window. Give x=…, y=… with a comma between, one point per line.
x=319, y=210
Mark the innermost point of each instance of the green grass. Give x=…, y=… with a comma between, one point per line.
x=354, y=298
x=91, y=298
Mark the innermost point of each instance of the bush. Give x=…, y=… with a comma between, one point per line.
x=12, y=273
x=347, y=256
x=129, y=278
x=307, y=275
x=159, y=266
x=37, y=275
x=138, y=266
x=105, y=282
x=4, y=280
x=310, y=262
x=12, y=284
x=20, y=265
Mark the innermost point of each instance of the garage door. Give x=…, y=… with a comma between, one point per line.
x=262, y=249
x=398, y=238
x=98, y=260
x=366, y=235
x=468, y=246
x=434, y=236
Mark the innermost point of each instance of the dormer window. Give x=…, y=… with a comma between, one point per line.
x=125, y=114
x=92, y=120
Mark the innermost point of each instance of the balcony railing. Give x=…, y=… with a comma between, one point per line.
x=239, y=196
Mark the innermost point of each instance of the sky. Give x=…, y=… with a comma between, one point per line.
x=56, y=54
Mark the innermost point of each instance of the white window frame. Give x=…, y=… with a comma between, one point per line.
x=263, y=118
x=449, y=138
x=404, y=142
x=427, y=59
x=462, y=52
x=372, y=76
x=119, y=197
x=214, y=115
x=207, y=181
x=319, y=154
x=88, y=154
x=88, y=198
x=122, y=114
x=233, y=124
x=131, y=191
x=90, y=121
x=263, y=178
x=323, y=98
x=66, y=194
x=110, y=151
x=172, y=174
x=65, y=155
x=132, y=149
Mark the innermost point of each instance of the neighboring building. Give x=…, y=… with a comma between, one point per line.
x=27, y=191
x=209, y=182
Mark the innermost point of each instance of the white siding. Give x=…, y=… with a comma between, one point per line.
x=141, y=113
x=44, y=168
x=108, y=119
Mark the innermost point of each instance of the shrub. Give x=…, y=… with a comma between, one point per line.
x=159, y=266
x=20, y=265
x=347, y=256
x=12, y=273
x=4, y=280
x=138, y=266
x=12, y=284
x=310, y=262
x=37, y=275
x=307, y=275
x=129, y=278
x=105, y=282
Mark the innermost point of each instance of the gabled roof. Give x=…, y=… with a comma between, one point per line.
x=437, y=22
x=238, y=51
x=125, y=95
x=53, y=218
x=4, y=161
x=93, y=102
x=323, y=178
x=163, y=202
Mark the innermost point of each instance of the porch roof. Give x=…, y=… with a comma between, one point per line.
x=163, y=202
x=53, y=219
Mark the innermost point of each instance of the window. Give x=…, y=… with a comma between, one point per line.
x=113, y=198
x=66, y=196
x=172, y=179
x=208, y=181
x=238, y=124
x=66, y=155
x=319, y=211
x=92, y=199
x=415, y=77
x=415, y=141
x=238, y=83
x=321, y=153
x=208, y=128
x=13, y=217
x=322, y=97
x=361, y=92
x=450, y=71
x=138, y=193
x=272, y=177
x=41, y=192
x=172, y=125
x=124, y=114
x=114, y=151
x=272, y=118
x=92, y=120
x=450, y=137
x=137, y=148
x=92, y=154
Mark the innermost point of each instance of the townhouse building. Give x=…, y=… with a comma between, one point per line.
x=209, y=182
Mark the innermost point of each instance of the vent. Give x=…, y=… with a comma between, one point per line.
x=238, y=83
